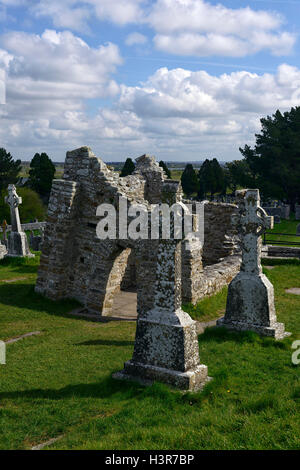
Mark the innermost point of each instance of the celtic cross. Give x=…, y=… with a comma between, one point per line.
x=251, y=221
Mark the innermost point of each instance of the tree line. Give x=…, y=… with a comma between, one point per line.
x=272, y=166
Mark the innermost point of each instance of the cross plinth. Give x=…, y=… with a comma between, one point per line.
x=166, y=344
x=250, y=300
x=13, y=200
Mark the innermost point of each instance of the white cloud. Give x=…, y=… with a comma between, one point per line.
x=186, y=113
x=120, y=12
x=49, y=77
x=182, y=27
x=135, y=38
x=201, y=29
x=176, y=114
x=75, y=14
x=64, y=14
x=61, y=58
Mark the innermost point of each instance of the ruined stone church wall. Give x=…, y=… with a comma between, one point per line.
x=76, y=264
x=207, y=269
x=220, y=238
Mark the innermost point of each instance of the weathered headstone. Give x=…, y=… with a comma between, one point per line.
x=35, y=241
x=250, y=300
x=17, y=240
x=166, y=345
x=277, y=219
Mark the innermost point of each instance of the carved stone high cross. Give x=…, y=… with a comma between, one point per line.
x=13, y=200
x=251, y=222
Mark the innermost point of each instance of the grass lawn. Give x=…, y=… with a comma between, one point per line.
x=58, y=383
x=285, y=226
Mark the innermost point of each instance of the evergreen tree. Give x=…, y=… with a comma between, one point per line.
x=128, y=168
x=211, y=178
x=9, y=169
x=165, y=168
x=206, y=179
x=41, y=174
x=219, y=179
x=238, y=175
x=189, y=180
x=274, y=162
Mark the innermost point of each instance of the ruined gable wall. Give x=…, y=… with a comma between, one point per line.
x=72, y=255
x=220, y=238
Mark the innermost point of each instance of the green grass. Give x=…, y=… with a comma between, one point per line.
x=285, y=226
x=209, y=308
x=59, y=382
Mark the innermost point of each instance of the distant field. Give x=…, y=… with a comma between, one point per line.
x=176, y=174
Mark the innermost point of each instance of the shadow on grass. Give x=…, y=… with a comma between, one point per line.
x=24, y=269
x=24, y=297
x=103, y=342
x=102, y=389
x=222, y=334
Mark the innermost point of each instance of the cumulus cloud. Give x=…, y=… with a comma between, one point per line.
x=62, y=59
x=175, y=114
x=48, y=79
x=135, y=39
x=64, y=14
x=201, y=29
x=179, y=110
x=181, y=27
x=120, y=12
x=75, y=14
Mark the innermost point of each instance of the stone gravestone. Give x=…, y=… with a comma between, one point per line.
x=166, y=345
x=35, y=241
x=17, y=240
x=250, y=300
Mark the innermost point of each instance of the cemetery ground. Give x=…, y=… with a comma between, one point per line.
x=57, y=384
x=285, y=226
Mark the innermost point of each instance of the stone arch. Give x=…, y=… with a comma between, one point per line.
x=115, y=278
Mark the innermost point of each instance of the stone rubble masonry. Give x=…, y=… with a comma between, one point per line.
x=76, y=264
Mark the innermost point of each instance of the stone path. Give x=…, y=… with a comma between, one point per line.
x=293, y=290
x=18, y=338
x=124, y=308
x=47, y=443
x=125, y=305
x=14, y=279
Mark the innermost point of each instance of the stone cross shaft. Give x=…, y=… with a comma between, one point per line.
x=13, y=200
x=251, y=222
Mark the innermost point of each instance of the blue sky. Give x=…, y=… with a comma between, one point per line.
x=179, y=79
